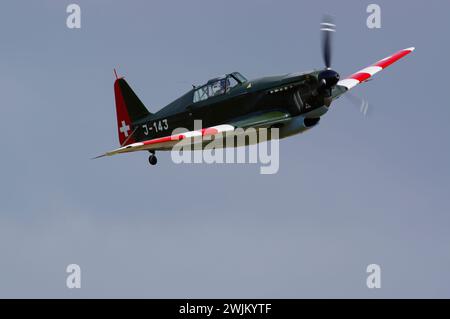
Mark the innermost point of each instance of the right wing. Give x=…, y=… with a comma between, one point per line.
x=366, y=73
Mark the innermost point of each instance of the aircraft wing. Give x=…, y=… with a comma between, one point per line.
x=167, y=142
x=368, y=72
x=259, y=120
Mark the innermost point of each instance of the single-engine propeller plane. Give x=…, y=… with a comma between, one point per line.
x=293, y=103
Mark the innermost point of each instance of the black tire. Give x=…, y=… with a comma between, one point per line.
x=152, y=160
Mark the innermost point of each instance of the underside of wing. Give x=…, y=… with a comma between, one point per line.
x=165, y=143
x=368, y=72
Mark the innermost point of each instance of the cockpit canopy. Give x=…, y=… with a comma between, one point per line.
x=218, y=86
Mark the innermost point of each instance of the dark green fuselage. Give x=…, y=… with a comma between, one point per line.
x=292, y=93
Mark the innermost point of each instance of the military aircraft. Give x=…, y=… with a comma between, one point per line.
x=293, y=103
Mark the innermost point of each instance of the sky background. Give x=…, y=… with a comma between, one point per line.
x=353, y=191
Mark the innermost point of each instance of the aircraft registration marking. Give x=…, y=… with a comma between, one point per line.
x=158, y=126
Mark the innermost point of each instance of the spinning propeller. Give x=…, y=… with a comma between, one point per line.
x=328, y=78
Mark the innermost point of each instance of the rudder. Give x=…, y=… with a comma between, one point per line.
x=129, y=109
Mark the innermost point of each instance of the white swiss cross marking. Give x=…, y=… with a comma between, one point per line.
x=124, y=128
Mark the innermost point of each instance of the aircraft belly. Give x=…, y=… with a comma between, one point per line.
x=318, y=112
x=295, y=126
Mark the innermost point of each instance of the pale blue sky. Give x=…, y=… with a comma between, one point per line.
x=351, y=192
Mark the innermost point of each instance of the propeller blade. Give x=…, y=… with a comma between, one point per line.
x=327, y=28
x=364, y=106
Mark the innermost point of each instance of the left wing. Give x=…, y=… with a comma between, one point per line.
x=165, y=143
x=366, y=73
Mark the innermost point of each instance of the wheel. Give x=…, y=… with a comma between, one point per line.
x=152, y=160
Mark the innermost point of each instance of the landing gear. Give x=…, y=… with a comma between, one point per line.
x=152, y=158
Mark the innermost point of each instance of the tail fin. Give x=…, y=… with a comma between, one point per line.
x=129, y=109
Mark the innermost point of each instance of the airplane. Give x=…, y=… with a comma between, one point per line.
x=293, y=103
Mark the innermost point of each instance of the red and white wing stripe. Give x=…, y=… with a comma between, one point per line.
x=368, y=72
x=167, y=142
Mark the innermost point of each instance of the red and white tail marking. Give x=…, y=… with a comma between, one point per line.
x=123, y=118
x=368, y=72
